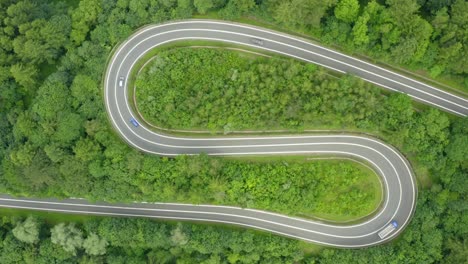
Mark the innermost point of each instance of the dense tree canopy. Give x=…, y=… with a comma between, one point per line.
x=188, y=89
x=429, y=35
x=68, y=236
x=55, y=138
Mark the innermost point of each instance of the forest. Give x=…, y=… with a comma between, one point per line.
x=421, y=35
x=186, y=88
x=56, y=141
x=132, y=241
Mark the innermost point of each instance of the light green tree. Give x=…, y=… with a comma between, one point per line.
x=203, y=5
x=178, y=237
x=94, y=245
x=347, y=10
x=24, y=74
x=27, y=231
x=23, y=155
x=86, y=149
x=360, y=30
x=302, y=12
x=68, y=236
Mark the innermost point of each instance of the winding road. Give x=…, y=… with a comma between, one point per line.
x=397, y=177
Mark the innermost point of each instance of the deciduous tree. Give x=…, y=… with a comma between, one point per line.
x=68, y=236
x=94, y=245
x=347, y=10
x=27, y=231
x=203, y=6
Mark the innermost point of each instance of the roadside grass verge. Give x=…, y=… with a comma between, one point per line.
x=49, y=217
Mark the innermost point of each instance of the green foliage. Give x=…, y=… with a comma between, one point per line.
x=94, y=245
x=297, y=186
x=458, y=138
x=83, y=18
x=429, y=136
x=450, y=35
x=24, y=75
x=399, y=32
x=398, y=112
x=12, y=250
x=203, y=5
x=67, y=236
x=27, y=231
x=239, y=94
x=347, y=10
x=156, y=242
x=178, y=237
x=360, y=29
x=234, y=9
x=55, y=138
x=42, y=39
x=300, y=12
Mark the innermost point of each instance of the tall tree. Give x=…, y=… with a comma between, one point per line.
x=451, y=37
x=25, y=75
x=347, y=10
x=42, y=40
x=203, y=6
x=94, y=245
x=301, y=12
x=83, y=19
x=27, y=231
x=360, y=37
x=457, y=149
x=429, y=136
x=178, y=236
x=68, y=236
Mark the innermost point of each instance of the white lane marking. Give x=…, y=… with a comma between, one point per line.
x=185, y=38
x=181, y=212
x=332, y=59
x=185, y=212
x=289, y=152
x=417, y=98
x=161, y=43
x=272, y=50
x=257, y=153
x=126, y=100
x=154, y=143
x=173, y=40
x=283, y=137
x=299, y=39
x=207, y=220
x=276, y=33
x=307, y=51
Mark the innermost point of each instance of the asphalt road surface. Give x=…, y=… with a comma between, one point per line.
x=396, y=175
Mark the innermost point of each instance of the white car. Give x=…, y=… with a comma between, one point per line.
x=121, y=81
